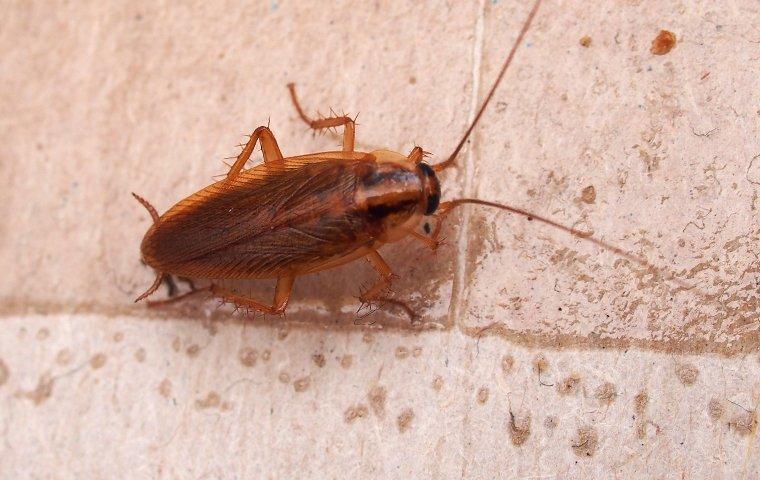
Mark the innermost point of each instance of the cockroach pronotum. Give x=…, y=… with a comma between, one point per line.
x=297, y=215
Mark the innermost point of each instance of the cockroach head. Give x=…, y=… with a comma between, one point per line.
x=431, y=186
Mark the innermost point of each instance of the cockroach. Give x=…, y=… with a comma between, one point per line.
x=290, y=216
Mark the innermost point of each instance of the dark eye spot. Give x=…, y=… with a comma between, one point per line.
x=426, y=227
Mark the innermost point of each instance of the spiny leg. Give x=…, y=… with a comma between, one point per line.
x=281, y=297
x=386, y=277
x=348, y=124
x=269, y=147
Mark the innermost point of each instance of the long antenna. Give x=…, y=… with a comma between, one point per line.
x=450, y=161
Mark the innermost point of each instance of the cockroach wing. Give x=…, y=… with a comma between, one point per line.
x=269, y=221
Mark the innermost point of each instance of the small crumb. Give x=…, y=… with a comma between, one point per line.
x=519, y=428
x=663, y=43
x=42, y=391
x=585, y=442
x=640, y=402
x=715, y=409
x=540, y=365
x=64, y=357
x=43, y=334
x=416, y=352
x=377, y=397
x=140, y=355
x=318, y=359
x=744, y=423
x=483, y=394
x=165, y=388
x=193, y=351
x=507, y=363
x=248, y=356
x=402, y=353
x=367, y=338
x=212, y=400
x=5, y=373
x=352, y=413
x=118, y=337
x=412, y=80
x=176, y=344
x=98, y=360
x=606, y=393
x=346, y=361
x=266, y=355
x=569, y=385
x=282, y=333
x=585, y=41
x=404, y=420
x=687, y=373
x=437, y=383
x=284, y=377
x=301, y=384
x=551, y=422
x=588, y=194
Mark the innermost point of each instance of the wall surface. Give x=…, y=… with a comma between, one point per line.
x=538, y=355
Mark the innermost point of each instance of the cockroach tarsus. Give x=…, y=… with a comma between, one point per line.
x=290, y=216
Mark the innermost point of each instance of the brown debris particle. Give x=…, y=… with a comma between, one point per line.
x=606, y=393
x=687, y=373
x=640, y=402
x=483, y=394
x=437, y=383
x=551, y=422
x=519, y=428
x=42, y=334
x=585, y=442
x=404, y=420
x=64, y=357
x=301, y=384
x=367, y=338
x=318, y=359
x=588, y=194
x=402, y=352
x=352, y=413
x=585, y=41
x=98, y=360
x=4, y=373
x=284, y=377
x=377, y=397
x=569, y=385
x=193, y=350
x=507, y=364
x=248, y=356
x=42, y=391
x=282, y=333
x=176, y=344
x=165, y=388
x=140, y=355
x=266, y=355
x=118, y=337
x=663, y=43
x=212, y=400
x=715, y=409
x=346, y=361
x=744, y=423
x=540, y=364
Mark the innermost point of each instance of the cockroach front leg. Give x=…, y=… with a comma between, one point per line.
x=348, y=124
x=281, y=297
x=269, y=147
x=386, y=277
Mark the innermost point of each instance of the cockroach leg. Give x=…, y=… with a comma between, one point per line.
x=430, y=242
x=269, y=148
x=386, y=275
x=416, y=155
x=281, y=297
x=178, y=298
x=348, y=124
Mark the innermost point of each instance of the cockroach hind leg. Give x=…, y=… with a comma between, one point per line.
x=269, y=147
x=152, y=288
x=178, y=298
x=326, y=123
x=281, y=297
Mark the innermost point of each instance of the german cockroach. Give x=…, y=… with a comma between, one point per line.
x=291, y=216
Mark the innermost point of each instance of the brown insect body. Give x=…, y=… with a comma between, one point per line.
x=307, y=214
x=292, y=216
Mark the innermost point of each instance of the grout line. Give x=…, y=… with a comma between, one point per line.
x=459, y=289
